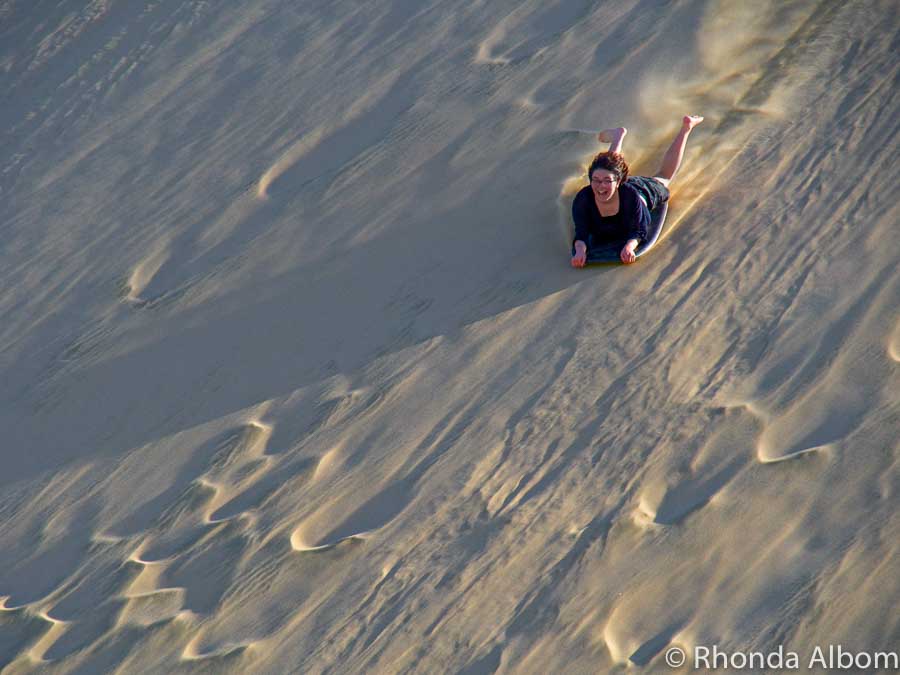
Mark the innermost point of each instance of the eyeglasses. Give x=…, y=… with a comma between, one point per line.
x=603, y=182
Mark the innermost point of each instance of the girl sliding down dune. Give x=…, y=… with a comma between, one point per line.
x=615, y=209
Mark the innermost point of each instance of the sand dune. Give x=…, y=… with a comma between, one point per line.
x=296, y=376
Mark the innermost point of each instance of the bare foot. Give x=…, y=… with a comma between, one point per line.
x=613, y=136
x=690, y=121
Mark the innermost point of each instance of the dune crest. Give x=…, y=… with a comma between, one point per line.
x=296, y=375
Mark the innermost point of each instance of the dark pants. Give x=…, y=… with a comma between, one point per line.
x=654, y=193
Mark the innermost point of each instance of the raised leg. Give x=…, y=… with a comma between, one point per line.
x=614, y=137
x=672, y=159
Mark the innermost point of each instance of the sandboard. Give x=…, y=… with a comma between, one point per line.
x=610, y=254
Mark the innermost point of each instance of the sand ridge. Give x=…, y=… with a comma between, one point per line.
x=296, y=376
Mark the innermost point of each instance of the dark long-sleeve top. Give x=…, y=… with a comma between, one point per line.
x=630, y=222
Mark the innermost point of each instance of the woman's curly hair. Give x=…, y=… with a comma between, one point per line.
x=610, y=161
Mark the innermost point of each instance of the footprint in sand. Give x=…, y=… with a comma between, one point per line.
x=522, y=35
x=72, y=619
x=818, y=387
x=147, y=601
x=144, y=272
x=21, y=633
x=208, y=569
x=628, y=625
x=53, y=631
x=220, y=655
x=211, y=487
x=324, y=151
x=240, y=463
x=320, y=532
x=671, y=497
x=89, y=626
x=317, y=534
x=50, y=567
x=90, y=606
x=894, y=343
x=259, y=488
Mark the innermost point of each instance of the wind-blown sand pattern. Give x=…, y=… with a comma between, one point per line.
x=296, y=376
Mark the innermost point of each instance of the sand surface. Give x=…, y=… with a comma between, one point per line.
x=295, y=375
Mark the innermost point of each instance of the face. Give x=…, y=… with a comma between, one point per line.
x=604, y=184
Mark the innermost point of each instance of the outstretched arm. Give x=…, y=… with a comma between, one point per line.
x=580, y=257
x=627, y=255
x=639, y=216
x=581, y=218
